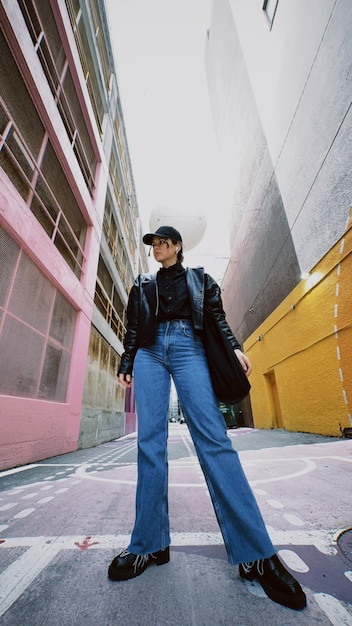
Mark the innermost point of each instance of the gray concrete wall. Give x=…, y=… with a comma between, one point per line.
x=100, y=425
x=301, y=75
x=281, y=100
x=102, y=417
x=263, y=267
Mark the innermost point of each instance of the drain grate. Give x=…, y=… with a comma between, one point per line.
x=344, y=542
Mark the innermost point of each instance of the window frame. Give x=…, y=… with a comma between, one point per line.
x=270, y=16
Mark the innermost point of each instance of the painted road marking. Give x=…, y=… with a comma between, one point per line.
x=275, y=504
x=19, y=575
x=294, y=561
x=41, y=550
x=23, y=513
x=293, y=519
x=322, y=540
x=333, y=610
x=15, y=470
x=8, y=506
x=85, y=470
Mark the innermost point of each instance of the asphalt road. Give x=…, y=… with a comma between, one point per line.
x=63, y=520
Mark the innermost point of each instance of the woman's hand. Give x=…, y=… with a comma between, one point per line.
x=125, y=380
x=245, y=362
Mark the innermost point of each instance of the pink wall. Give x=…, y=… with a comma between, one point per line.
x=36, y=429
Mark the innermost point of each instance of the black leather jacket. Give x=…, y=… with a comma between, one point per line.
x=142, y=311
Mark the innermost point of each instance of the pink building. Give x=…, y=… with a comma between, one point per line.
x=69, y=231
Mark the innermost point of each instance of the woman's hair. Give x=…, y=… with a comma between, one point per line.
x=180, y=256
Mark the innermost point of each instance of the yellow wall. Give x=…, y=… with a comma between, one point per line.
x=302, y=353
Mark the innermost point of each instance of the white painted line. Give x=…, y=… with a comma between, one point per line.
x=333, y=610
x=46, y=487
x=310, y=466
x=18, y=576
x=321, y=539
x=29, y=495
x=348, y=575
x=62, y=490
x=92, y=476
x=15, y=470
x=53, y=465
x=260, y=492
x=23, y=513
x=3, y=527
x=45, y=500
x=293, y=519
x=8, y=506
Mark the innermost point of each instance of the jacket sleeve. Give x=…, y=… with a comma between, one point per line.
x=131, y=337
x=213, y=301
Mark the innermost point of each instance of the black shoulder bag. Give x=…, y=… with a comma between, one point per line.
x=229, y=380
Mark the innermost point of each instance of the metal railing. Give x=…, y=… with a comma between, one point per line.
x=49, y=213
x=55, y=82
x=107, y=309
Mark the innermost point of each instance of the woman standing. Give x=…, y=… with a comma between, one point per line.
x=163, y=339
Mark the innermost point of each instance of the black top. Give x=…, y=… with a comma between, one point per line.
x=174, y=301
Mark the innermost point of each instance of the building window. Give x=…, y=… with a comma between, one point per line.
x=114, y=240
x=122, y=199
x=42, y=28
x=36, y=329
x=269, y=7
x=91, y=76
x=108, y=302
x=29, y=160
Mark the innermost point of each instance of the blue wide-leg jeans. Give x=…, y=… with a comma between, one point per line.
x=178, y=352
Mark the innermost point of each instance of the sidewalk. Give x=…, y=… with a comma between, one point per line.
x=63, y=520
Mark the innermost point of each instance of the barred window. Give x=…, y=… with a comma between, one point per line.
x=29, y=160
x=36, y=328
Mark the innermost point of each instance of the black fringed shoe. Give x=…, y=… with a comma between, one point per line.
x=127, y=565
x=278, y=584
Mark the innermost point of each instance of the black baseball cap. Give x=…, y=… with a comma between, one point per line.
x=165, y=232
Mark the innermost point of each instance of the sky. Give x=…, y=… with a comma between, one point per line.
x=159, y=50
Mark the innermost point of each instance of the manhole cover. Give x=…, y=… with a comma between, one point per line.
x=344, y=542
